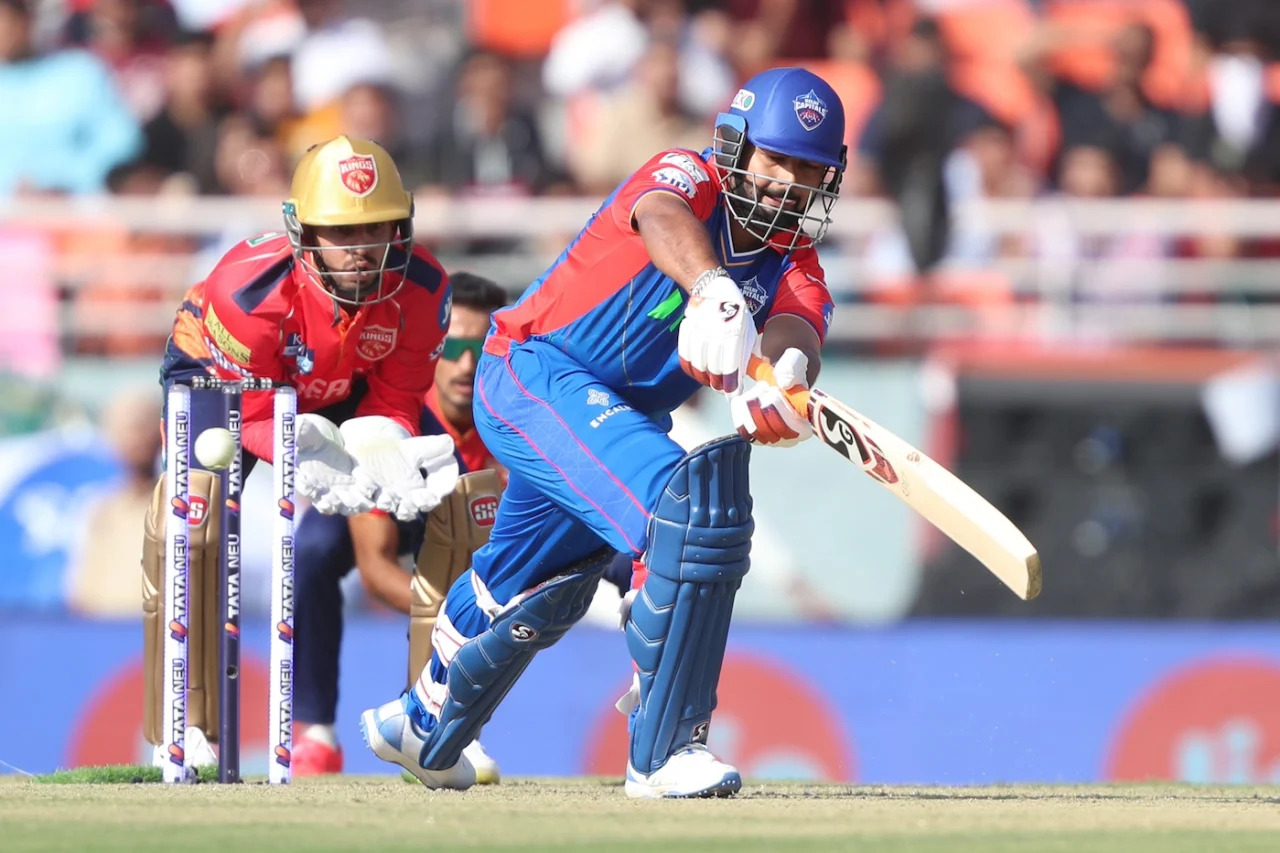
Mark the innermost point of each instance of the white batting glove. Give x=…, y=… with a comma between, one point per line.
x=764, y=414
x=323, y=469
x=411, y=475
x=718, y=333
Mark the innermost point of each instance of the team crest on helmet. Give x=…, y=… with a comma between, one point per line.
x=375, y=342
x=359, y=173
x=810, y=109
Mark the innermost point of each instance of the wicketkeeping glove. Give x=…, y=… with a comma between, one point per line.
x=410, y=475
x=324, y=469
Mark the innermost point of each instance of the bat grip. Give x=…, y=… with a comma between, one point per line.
x=762, y=371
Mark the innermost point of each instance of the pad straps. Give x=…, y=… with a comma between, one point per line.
x=699, y=542
x=486, y=668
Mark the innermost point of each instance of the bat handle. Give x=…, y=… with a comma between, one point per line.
x=762, y=371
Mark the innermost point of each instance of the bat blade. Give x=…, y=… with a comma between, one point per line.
x=931, y=490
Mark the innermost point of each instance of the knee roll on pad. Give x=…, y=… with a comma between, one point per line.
x=486, y=668
x=203, y=669
x=699, y=542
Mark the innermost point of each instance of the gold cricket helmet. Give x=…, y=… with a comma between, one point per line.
x=345, y=182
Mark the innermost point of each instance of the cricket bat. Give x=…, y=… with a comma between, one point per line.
x=921, y=483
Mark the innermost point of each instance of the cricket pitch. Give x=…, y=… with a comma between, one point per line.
x=528, y=815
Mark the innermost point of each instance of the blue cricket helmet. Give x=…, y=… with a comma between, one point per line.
x=788, y=111
x=794, y=112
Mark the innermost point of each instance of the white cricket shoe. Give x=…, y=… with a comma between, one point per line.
x=691, y=771
x=487, y=770
x=390, y=732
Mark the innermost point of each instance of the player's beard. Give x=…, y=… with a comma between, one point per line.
x=762, y=220
x=359, y=288
x=348, y=286
x=456, y=396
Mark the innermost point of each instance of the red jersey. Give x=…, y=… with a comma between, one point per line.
x=471, y=450
x=261, y=314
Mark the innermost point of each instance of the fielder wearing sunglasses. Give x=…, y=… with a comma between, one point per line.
x=455, y=347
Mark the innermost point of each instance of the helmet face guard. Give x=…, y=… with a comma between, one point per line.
x=783, y=225
x=350, y=182
x=341, y=284
x=789, y=112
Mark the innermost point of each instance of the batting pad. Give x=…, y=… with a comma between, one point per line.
x=486, y=668
x=699, y=542
x=203, y=619
x=455, y=531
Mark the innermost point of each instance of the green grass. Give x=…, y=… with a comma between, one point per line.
x=118, y=774
x=580, y=815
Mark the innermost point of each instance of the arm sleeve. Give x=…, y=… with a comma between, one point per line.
x=400, y=381
x=803, y=292
x=240, y=345
x=678, y=171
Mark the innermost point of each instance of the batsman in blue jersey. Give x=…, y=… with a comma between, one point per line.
x=691, y=265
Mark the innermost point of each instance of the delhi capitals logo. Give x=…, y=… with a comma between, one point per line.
x=754, y=294
x=810, y=109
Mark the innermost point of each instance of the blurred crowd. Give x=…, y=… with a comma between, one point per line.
x=1085, y=97
x=948, y=101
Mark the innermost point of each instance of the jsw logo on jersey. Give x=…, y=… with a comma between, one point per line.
x=324, y=391
x=686, y=163
x=677, y=179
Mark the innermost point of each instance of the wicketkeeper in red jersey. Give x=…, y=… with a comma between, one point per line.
x=345, y=308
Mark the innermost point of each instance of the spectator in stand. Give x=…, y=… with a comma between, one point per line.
x=183, y=136
x=133, y=38
x=248, y=163
x=64, y=124
x=1082, y=252
x=703, y=39
x=319, y=78
x=268, y=97
x=373, y=111
x=596, y=51
x=1239, y=134
x=773, y=32
x=1120, y=110
x=644, y=117
x=488, y=145
x=909, y=136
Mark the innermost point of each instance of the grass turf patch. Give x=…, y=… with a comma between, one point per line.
x=116, y=774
